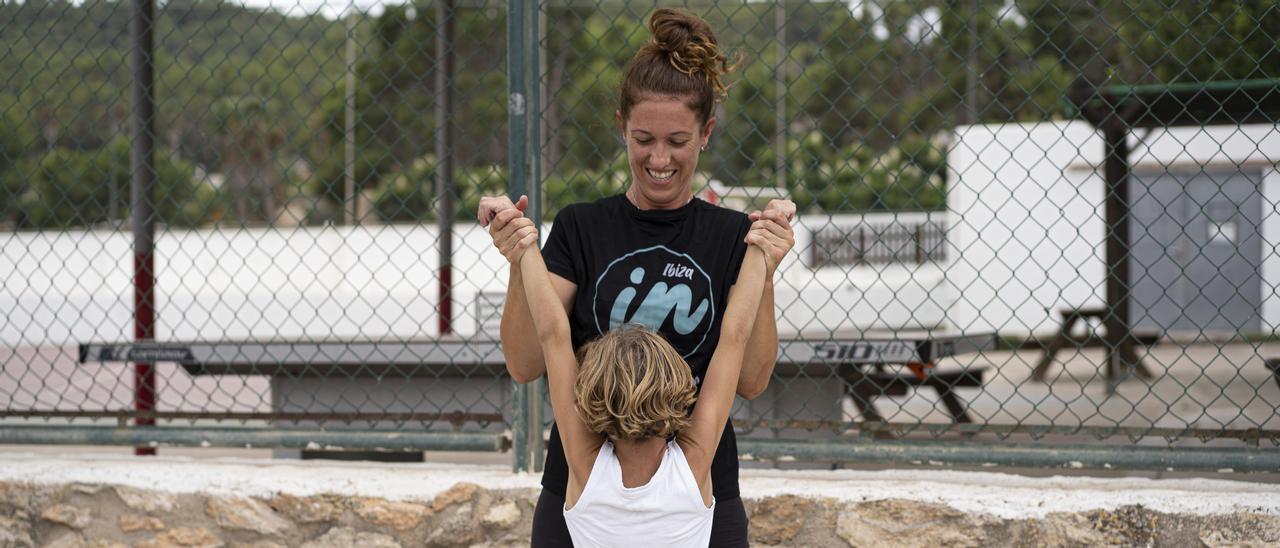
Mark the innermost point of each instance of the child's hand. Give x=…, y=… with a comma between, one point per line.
x=771, y=232
x=511, y=231
x=491, y=205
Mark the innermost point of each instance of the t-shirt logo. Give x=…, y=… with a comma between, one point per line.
x=660, y=289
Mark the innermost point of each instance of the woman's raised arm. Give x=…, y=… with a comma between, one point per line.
x=771, y=231
x=509, y=229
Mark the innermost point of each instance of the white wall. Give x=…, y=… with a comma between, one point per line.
x=1026, y=218
x=64, y=288
x=70, y=287
x=846, y=299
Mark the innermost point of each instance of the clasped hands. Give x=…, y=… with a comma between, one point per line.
x=513, y=233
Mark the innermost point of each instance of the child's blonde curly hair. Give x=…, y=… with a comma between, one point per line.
x=633, y=385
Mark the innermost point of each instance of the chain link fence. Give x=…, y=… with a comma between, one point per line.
x=1022, y=224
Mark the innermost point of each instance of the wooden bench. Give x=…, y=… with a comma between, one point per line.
x=1274, y=365
x=1072, y=316
x=863, y=385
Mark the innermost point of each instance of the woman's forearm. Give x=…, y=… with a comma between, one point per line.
x=520, y=344
x=761, y=353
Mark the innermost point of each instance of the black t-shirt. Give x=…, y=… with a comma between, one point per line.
x=670, y=270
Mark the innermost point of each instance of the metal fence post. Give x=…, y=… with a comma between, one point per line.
x=445, y=15
x=517, y=162
x=535, y=54
x=142, y=198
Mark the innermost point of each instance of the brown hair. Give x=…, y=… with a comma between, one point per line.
x=633, y=385
x=681, y=60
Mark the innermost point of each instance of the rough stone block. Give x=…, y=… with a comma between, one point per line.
x=459, y=492
x=908, y=523
x=344, y=537
x=133, y=522
x=502, y=515
x=314, y=509
x=401, y=516
x=776, y=520
x=182, y=537
x=245, y=514
x=150, y=502
x=65, y=514
x=15, y=533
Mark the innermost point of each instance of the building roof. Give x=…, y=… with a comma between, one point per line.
x=1234, y=102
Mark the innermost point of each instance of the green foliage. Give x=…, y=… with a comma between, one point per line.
x=16, y=141
x=856, y=177
x=66, y=188
x=395, y=100
x=409, y=195
x=246, y=93
x=1157, y=41
x=584, y=185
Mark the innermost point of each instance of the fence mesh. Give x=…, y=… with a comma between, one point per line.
x=1033, y=217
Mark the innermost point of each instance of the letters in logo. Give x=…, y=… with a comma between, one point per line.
x=661, y=289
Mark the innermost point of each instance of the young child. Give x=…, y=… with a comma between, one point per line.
x=630, y=482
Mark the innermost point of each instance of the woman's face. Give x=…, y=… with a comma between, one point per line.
x=663, y=139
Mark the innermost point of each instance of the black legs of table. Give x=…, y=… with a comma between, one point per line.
x=1121, y=356
x=863, y=394
x=1274, y=365
x=1060, y=340
x=954, y=405
x=864, y=388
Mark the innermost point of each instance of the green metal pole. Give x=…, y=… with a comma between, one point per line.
x=192, y=436
x=517, y=164
x=536, y=388
x=1241, y=459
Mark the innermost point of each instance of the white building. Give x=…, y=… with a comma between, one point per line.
x=1026, y=227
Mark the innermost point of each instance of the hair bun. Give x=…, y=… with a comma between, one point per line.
x=681, y=59
x=672, y=30
x=689, y=44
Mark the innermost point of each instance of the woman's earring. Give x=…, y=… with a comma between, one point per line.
x=704, y=147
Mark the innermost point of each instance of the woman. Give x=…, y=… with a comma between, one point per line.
x=655, y=255
x=637, y=456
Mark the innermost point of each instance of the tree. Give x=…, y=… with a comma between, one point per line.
x=67, y=188
x=395, y=101
x=1155, y=41
x=16, y=141
x=251, y=155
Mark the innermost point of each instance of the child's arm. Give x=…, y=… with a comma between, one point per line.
x=552, y=326
x=700, y=440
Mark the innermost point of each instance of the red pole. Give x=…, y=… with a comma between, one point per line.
x=445, y=17
x=142, y=168
x=444, y=307
x=144, y=329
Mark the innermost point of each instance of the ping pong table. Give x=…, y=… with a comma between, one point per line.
x=444, y=367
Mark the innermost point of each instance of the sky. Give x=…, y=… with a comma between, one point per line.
x=336, y=8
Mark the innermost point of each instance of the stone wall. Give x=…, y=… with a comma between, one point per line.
x=92, y=515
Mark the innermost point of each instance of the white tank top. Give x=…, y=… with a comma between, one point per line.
x=666, y=512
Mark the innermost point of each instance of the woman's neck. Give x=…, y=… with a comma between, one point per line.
x=644, y=205
x=639, y=459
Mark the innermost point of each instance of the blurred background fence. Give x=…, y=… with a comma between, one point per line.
x=1066, y=209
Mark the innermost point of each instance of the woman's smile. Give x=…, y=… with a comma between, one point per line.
x=664, y=139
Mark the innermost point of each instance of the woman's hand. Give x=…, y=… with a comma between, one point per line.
x=511, y=231
x=771, y=230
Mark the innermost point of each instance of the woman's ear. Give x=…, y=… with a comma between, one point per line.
x=707, y=128
x=622, y=124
